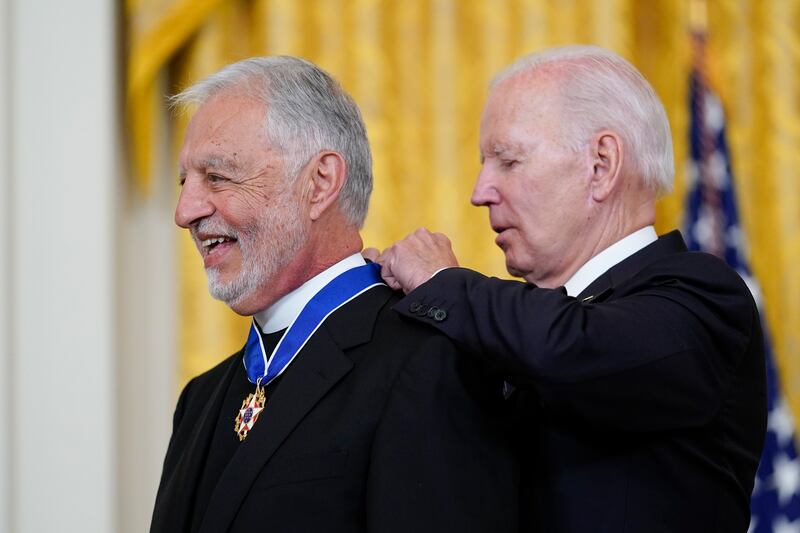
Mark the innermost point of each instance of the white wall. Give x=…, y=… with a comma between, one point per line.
x=87, y=285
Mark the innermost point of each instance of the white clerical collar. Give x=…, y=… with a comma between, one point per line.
x=282, y=313
x=616, y=253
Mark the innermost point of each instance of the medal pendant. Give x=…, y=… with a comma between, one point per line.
x=248, y=414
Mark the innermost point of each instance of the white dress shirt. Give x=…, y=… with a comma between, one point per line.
x=616, y=253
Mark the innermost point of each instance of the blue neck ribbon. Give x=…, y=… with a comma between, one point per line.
x=343, y=288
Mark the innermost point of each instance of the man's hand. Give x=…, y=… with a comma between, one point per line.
x=411, y=262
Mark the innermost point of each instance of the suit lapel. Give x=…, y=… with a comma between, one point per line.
x=317, y=369
x=173, y=510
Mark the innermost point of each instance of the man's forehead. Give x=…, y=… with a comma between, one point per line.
x=228, y=109
x=519, y=103
x=500, y=145
x=223, y=130
x=524, y=91
x=513, y=133
x=538, y=78
x=234, y=95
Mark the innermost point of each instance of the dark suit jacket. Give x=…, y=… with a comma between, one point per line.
x=376, y=426
x=643, y=398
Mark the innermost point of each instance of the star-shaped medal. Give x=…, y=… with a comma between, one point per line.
x=248, y=414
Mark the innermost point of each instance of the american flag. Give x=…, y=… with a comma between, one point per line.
x=712, y=225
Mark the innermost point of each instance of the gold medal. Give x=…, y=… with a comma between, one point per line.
x=248, y=414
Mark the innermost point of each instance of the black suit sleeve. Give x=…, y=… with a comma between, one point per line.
x=659, y=355
x=440, y=460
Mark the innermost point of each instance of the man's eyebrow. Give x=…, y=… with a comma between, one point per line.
x=213, y=162
x=515, y=150
x=210, y=163
x=496, y=150
x=491, y=151
x=222, y=163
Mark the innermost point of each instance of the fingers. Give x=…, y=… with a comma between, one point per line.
x=393, y=283
x=371, y=253
x=384, y=260
x=413, y=260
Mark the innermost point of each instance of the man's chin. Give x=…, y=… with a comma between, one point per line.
x=223, y=295
x=245, y=303
x=242, y=307
x=512, y=269
x=520, y=273
x=239, y=294
x=229, y=292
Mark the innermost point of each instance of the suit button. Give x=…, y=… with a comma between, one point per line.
x=423, y=310
x=431, y=311
x=414, y=307
x=439, y=315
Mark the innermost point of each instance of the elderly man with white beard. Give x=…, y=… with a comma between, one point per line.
x=337, y=415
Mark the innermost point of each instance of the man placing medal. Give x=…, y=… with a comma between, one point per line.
x=338, y=415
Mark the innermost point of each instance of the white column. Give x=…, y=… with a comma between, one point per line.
x=5, y=311
x=61, y=266
x=146, y=338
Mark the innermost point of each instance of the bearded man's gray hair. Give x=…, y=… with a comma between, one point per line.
x=307, y=111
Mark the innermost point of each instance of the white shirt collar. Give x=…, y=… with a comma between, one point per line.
x=616, y=253
x=282, y=313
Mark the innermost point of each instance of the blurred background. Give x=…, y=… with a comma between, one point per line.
x=104, y=312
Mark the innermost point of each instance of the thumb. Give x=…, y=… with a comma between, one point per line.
x=371, y=254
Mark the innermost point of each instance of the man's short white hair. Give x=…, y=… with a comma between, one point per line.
x=601, y=90
x=307, y=111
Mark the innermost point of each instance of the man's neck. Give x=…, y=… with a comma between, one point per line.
x=317, y=255
x=609, y=226
x=325, y=250
x=607, y=258
x=282, y=313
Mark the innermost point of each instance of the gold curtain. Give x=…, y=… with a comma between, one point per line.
x=419, y=70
